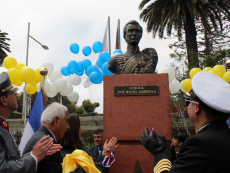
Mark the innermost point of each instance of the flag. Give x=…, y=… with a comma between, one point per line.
x=34, y=122
x=118, y=43
x=105, y=48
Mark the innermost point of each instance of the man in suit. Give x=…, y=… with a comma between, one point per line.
x=208, y=150
x=54, y=122
x=10, y=160
x=97, y=150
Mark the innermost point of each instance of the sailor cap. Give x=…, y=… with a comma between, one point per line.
x=211, y=90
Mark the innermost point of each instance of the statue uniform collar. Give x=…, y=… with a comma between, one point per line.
x=131, y=50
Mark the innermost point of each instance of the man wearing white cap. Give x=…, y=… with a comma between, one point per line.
x=208, y=150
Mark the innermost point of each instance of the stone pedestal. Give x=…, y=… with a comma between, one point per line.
x=126, y=116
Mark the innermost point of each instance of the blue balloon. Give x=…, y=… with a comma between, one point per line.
x=86, y=72
x=95, y=77
x=104, y=57
x=97, y=47
x=86, y=64
x=72, y=66
x=118, y=51
x=74, y=48
x=65, y=71
x=80, y=66
x=86, y=50
x=92, y=68
x=79, y=73
x=105, y=69
x=99, y=63
x=102, y=76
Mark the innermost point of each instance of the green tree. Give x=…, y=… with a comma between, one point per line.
x=87, y=108
x=3, y=46
x=181, y=15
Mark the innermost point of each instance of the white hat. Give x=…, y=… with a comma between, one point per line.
x=212, y=90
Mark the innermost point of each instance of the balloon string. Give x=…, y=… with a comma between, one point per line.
x=90, y=94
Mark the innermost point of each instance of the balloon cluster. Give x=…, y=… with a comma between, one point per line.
x=20, y=73
x=218, y=70
x=59, y=84
x=94, y=72
x=174, y=84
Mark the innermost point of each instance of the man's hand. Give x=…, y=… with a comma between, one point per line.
x=111, y=144
x=54, y=149
x=41, y=148
x=152, y=141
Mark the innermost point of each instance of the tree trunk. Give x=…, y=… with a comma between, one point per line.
x=191, y=42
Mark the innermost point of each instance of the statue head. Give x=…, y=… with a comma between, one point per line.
x=132, y=33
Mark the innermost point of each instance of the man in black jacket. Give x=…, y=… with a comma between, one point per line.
x=97, y=150
x=54, y=122
x=208, y=150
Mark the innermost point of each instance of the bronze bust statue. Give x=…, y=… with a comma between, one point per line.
x=133, y=61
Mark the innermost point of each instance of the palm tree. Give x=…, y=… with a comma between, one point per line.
x=3, y=45
x=180, y=15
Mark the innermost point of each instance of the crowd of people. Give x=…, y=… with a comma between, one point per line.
x=53, y=148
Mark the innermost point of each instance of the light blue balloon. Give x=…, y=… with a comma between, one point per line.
x=92, y=68
x=65, y=71
x=105, y=69
x=97, y=47
x=86, y=50
x=118, y=51
x=104, y=57
x=99, y=63
x=80, y=66
x=72, y=66
x=79, y=73
x=95, y=77
x=86, y=64
x=102, y=76
x=74, y=48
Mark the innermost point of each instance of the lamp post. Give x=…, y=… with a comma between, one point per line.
x=27, y=51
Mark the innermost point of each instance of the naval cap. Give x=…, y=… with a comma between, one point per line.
x=211, y=90
x=5, y=84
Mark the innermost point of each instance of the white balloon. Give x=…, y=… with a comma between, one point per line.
x=51, y=94
x=73, y=97
x=61, y=85
x=68, y=90
x=49, y=66
x=47, y=87
x=174, y=86
x=67, y=78
x=181, y=88
x=75, y=80
x=55, y=75
x=38, y=87
x=53, y=87
x=171, y=73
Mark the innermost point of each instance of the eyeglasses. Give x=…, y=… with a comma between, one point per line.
x=187, y=102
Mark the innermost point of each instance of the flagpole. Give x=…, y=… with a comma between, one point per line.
x=109, y=35
x=119, y=36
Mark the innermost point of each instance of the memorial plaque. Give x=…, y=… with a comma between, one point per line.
x=136, y=90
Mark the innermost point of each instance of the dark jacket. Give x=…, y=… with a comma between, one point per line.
x=98, y=161
x=206, y=152
x=94, y=153
x=50, y=164
x=10, y=160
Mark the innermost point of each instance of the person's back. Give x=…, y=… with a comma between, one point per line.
x=208, y=150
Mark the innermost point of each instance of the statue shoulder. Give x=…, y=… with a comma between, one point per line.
x=150, y=51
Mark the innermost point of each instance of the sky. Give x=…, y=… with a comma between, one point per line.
x=57, y=24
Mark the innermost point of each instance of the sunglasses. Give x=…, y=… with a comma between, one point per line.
x=187, y=102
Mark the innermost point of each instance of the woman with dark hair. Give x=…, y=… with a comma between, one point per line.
x=71, y=141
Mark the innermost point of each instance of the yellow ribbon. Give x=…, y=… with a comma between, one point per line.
x=79, y=158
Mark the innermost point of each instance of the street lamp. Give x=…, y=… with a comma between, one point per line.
x=27, y=50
